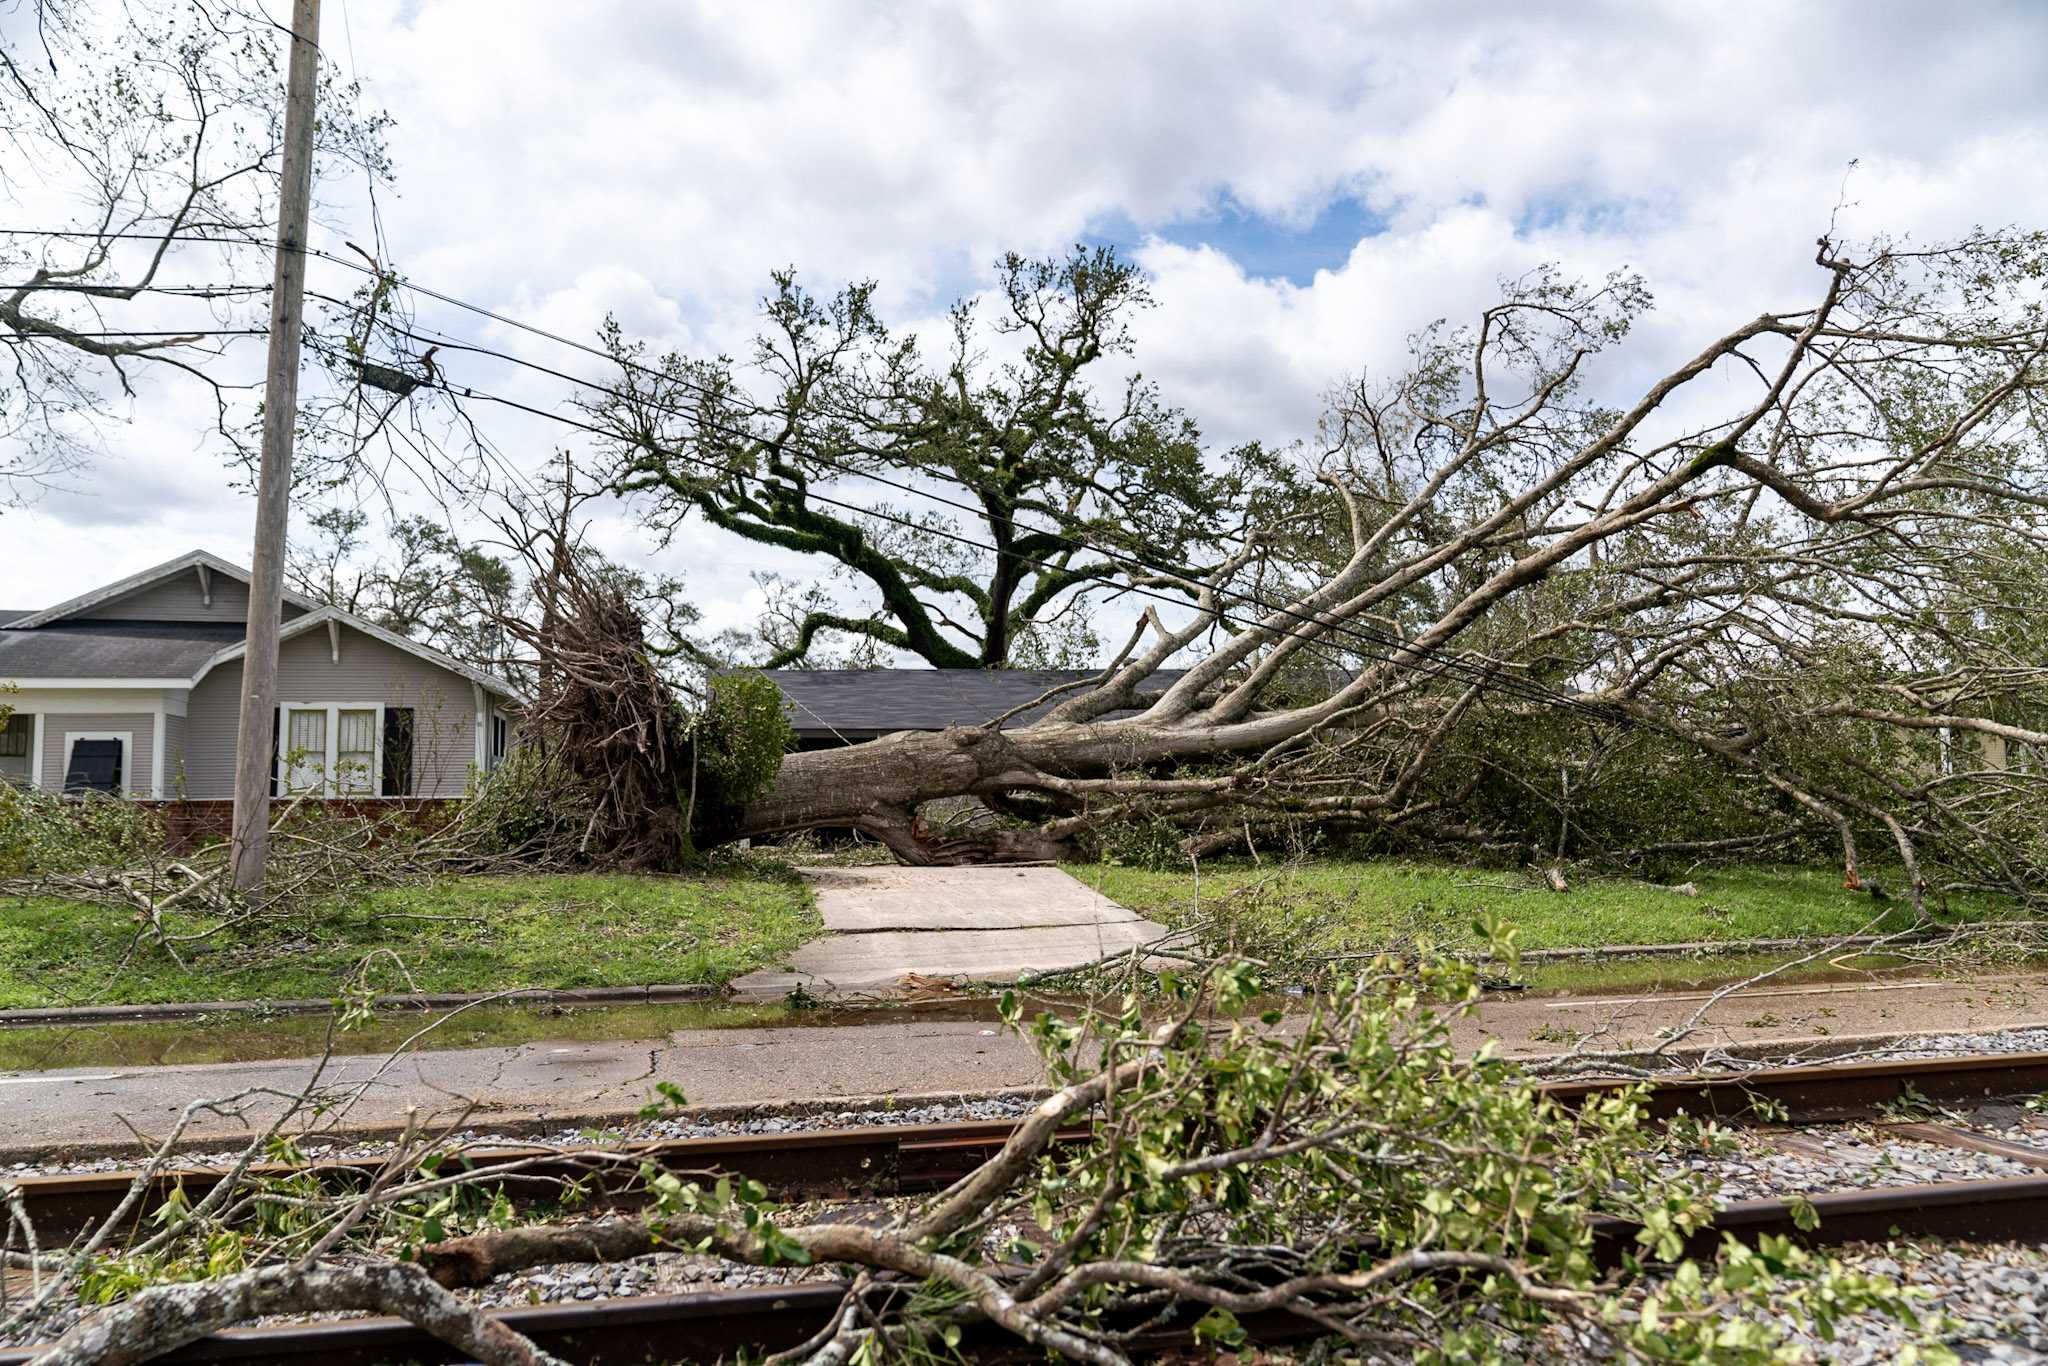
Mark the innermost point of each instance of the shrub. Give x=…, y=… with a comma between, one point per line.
x=740, y=738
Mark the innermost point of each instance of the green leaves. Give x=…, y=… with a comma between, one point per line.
x=1219, y=1328
x=669, y=1098
x=1053, y=485
x=1355, y=1130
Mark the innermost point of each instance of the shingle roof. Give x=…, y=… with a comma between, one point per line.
x=7, y=615
x=114, y=649
x=860, y=704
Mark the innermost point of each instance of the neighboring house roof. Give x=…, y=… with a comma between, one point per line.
x=191, y=559
x=860, y=704
x=43, y=647
x=7, y=616
x=114, y=649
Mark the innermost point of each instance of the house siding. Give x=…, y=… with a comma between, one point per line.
x=443, y=703
x=174, y=755
x=178, y=598
x=139, y=726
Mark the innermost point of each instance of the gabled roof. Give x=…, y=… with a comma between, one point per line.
x=860, y=704
x=44, y=647
x=6, y=616
x=320, y=616
x=189, y=561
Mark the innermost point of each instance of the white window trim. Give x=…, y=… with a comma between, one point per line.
x=482, y=747
x=156, y=746
x=328, y=761
x=127, y=739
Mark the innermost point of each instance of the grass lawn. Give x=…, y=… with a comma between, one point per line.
x=1358, y=907
x=464, y=934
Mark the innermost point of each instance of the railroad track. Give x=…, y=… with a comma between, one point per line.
x=814, y=1164
x=905, y=1159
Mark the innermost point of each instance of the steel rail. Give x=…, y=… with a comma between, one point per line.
x=1818, y=1093
x=878, y=1160
x=872, y=1160
x=701, y=1327
x=856, y=1163
x=709, y=1325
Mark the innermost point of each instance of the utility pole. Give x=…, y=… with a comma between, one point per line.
x=274, y=484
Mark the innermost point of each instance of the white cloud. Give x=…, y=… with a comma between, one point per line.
x=560, y=161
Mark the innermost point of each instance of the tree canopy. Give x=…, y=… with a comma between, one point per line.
x=1025, y=467
x=1796, y=602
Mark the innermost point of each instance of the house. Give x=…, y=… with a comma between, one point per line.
x=134, y=690
x=831, y=707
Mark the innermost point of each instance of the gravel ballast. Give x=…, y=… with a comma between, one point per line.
x=1766, y=1166
x=1005, y=1107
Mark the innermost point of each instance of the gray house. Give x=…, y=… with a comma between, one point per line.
x=133, y=689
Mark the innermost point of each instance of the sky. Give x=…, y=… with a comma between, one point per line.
x=1306, y=185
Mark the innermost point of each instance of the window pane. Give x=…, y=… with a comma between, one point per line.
x=305, y=750
x=15, y=739
x=355, y=752
x=95, y=766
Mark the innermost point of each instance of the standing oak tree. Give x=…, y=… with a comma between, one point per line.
x=1041, y=485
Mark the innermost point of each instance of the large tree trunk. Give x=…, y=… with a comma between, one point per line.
x=877, y=787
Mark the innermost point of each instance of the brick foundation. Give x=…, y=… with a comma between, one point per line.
x=193, y=823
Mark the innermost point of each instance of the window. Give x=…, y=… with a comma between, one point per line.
x=336, y=749
x=355, y=752
x=500, y=729
x=17, y=761
x=397, y=763
x=96, y=762
x=305, y=750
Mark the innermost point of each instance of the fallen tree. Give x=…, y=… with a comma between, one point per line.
x=1824, y=587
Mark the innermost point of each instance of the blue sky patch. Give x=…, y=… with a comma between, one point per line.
x=1262, y=246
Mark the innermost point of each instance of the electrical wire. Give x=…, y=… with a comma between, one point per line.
x=173, y=332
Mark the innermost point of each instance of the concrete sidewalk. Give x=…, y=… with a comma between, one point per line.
x=886, y=923
x=50, y=1112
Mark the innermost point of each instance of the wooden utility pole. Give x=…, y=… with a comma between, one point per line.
x=253, y=743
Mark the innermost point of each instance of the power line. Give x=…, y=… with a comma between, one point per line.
x=124, y=236
x=195, y=333
x=104, y=291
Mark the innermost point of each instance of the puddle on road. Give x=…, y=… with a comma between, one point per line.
x=243, y=1038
